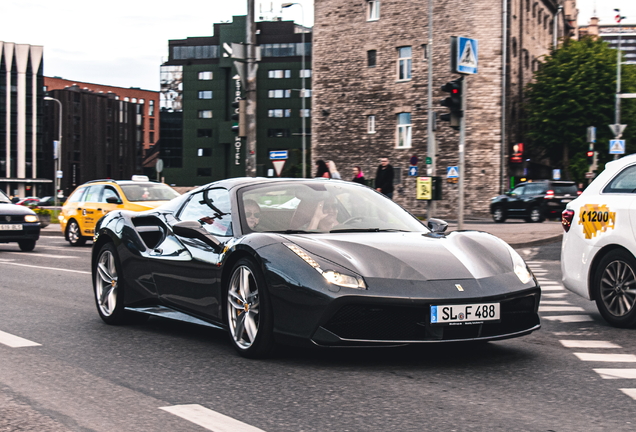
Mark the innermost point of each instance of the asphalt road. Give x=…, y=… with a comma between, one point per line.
x=87, y=376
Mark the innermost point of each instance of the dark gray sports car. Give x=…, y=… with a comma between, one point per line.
x=319, y=262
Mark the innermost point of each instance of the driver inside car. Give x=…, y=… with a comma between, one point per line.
x=325, y=217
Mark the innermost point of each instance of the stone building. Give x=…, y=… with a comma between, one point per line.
x=610, y=33
x=370, y=78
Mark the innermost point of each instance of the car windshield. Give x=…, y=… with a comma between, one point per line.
x=148, y=192
x=321, y=207
x=565, y=189
x=4, y=199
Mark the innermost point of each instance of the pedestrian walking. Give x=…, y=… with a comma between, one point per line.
x=358, y=175
x=321, y=169
x=384, y=178
x=332, y=170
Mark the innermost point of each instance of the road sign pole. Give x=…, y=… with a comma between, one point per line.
x=462, y=139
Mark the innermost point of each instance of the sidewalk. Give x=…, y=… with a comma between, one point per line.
x=517, y=233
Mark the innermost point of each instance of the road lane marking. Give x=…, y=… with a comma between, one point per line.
x=548, y=282
x=612, y=358
x=67, y=248
x=555, y=302
x=211, y=420
x=588, y=344
x=44, y=268
x=616, y=373
x=15, y=341
x=629, y=392
x=552, y=288
x=43, y=255
x=569, y=318
x=553, y=295
x=560, y=309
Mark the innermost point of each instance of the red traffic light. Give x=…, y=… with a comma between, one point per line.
x=590, y=153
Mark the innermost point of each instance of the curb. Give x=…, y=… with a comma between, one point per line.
x=539, y=242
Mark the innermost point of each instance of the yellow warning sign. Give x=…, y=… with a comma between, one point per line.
x=424, y=188
x=596, y=218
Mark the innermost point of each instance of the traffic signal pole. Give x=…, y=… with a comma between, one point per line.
x=462, y=140
x=250, y=91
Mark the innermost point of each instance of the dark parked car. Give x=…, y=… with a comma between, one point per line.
x=534, y=201
x=18, y=224
x=316, y=262
x=50, y=201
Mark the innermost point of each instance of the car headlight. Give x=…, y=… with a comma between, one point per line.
x=31, y=218
x=519, y=266
x=331, y=276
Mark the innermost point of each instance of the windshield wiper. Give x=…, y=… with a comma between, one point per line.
x=345, y=230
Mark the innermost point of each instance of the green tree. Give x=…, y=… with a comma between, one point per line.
x=575, y=88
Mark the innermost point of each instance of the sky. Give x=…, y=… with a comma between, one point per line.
x=124, y=43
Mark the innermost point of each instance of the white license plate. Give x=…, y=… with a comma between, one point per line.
x=442, y=314
x=10, y=227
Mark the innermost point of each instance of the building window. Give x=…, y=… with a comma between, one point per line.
x=279, y=113
x=404, y=130
x=152, y=137
x=205, y=94
x=514, y=47
x=204, y=152
x=205, y=114
x=279, y=73
x=540, y=16
x=152, y=124
x=205, y=75
x=371, y=124
x=534, y=10
x=279, y=94
x=306, y=93
x=204, y=172
x=204, y=133
x=424, y=52
x=526, y=59
x=305, y=73
x=404, y=63
x=151, y=107
x=373, y=10
x=305, y=113
x=371, y=58
x=278, y=133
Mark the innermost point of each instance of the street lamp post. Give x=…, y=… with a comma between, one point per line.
x=303, y=90
x=617, y=106
x=58, y=153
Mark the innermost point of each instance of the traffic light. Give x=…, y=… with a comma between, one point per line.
x=238, y=116
x=590, y=157
x=454, y=102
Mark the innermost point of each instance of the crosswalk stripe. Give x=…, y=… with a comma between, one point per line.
x=560, y=309
x=616, y=373
x=553, y=295
x=588, y=344
x=15, y=341
x=548, y=282
x=613, y=358
x=552, y=288
x=555, y=302
x=629, y=392
x=211, y=420
x=36, y=254
x=569, y=318
x=45, y=268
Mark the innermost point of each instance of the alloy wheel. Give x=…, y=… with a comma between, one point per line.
x=74, y=236
x=243, y=307
x=618, y=288
x=106, y=283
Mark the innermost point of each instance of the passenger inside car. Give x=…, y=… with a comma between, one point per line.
x=252, y=214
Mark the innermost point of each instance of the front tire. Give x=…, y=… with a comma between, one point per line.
x=249, y=316
x=26, y=245
x=498, y=215
x=74, y=234
x=108, y=285
x=615, y=288
x=535, y=215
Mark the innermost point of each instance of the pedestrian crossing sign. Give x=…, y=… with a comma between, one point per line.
x=467, y=54
x=452, y=172
x=617, y=147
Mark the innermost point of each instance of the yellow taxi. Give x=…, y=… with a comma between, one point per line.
x=92, y=200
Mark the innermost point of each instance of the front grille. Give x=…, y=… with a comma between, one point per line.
x=401, y=323
x=11, y=218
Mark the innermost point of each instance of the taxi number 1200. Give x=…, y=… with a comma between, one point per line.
x=464, y=313
x=594, y=216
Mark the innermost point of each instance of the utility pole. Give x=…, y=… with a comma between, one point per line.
x=430, y=147
x=462, y=162
x=619, y=55
x=250, y=90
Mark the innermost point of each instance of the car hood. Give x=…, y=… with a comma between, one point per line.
x=13, y=209
x=413, y=256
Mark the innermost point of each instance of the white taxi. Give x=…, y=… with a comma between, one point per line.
x=599, y=243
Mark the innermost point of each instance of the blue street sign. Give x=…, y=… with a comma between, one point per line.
x=452, y=172
x=617, y=147
x=278, y=154
x=467, y=50
x=413, y=171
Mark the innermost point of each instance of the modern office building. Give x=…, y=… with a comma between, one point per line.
x=101, y=136
x=199, y=82
x=21, y=157
x=611, y=33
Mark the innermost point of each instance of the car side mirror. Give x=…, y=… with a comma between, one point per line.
x=437, y=225
x=113, y=200
x=194, y=229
